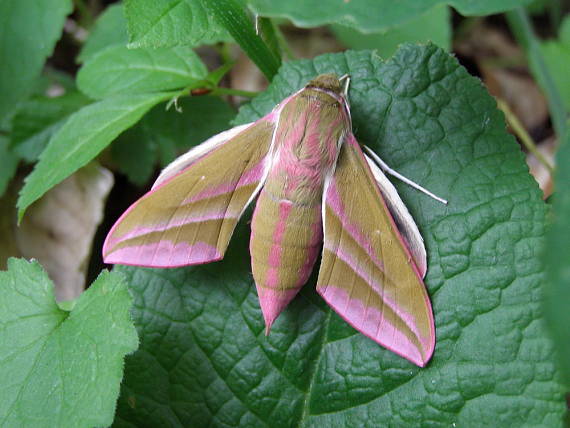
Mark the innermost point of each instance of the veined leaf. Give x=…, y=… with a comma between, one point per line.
x=83, y=136
x=207, y=361
x=61, y=368
x=171, y=22
x=120, y=70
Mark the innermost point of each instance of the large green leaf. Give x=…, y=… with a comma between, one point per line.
x=28, y=32
x=434, y=25
x=557, y=259
x=61, y=368
x=154, y=23
x=370, y=15
x=81, y=138
x=120, y=70
x=204, y=358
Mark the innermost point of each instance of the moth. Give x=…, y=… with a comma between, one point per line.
x=317, y=193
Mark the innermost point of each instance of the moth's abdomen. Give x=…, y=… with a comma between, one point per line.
x=285, y=242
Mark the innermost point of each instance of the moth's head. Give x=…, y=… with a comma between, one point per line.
x=327, y=82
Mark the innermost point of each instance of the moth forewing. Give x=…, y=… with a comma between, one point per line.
x=189, y=217
x=367, y=274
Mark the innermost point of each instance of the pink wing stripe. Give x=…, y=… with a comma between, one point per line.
x=277, y=247
x=251, y=176
x=408, y=318
x=333, y=200
x=165, y=254
x=161, y=227
x=370, y=322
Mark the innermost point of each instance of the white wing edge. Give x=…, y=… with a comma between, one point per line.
x=183, y=161
x=406, y=224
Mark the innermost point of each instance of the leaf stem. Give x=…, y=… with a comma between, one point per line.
x=524, y=137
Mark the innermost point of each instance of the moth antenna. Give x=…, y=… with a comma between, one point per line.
x=345, y=80
x=256, y=24
x=399, y=176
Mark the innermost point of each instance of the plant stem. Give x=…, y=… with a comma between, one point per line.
x=524, y=137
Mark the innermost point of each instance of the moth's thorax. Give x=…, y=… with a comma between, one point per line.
x=311, y=126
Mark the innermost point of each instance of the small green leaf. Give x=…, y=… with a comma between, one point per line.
x=38, y=119
x=370, y=15
x=28, y=32
x=8, y=164
x=164, y=133
x=119, y=70
x=557, y=260
x=232, y=15
x=61, y=369
x=110, y=29
x=434, y=25
x=207, y=361
x=167, y=23
x=81, y=138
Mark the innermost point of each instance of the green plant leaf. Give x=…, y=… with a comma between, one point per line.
x=556, y=259
x=61, y=368
x=433, y=25
x=81, y=138
x=28, y=32
x=171, y=22
x=109, y=29
x=8, y=164
x=162, y=134
x=370, y=15
x=38, y=119
x=556, y=54
x=231, y=14
x=207, y=361
x=120, y=70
